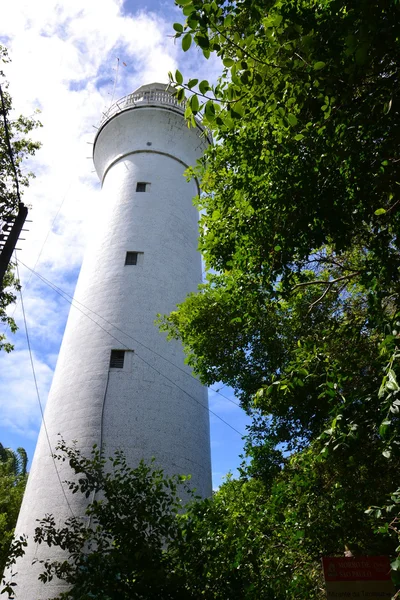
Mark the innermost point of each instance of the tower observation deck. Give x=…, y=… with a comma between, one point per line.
x=153, y=94
x=118, y=382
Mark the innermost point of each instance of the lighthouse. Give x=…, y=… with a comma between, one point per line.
x=118, y=382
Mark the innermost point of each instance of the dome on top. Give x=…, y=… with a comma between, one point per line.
x=149, y=87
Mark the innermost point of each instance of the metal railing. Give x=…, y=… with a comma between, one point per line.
x=152, y=96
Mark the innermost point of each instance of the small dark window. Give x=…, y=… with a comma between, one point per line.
x=141, y=186
x=131, y=258
x=117, y=359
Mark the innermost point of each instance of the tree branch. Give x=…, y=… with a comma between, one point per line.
x=328, y=282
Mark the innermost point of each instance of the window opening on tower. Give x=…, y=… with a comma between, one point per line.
x=142, y=186
x=131, y=258
x=117, y=359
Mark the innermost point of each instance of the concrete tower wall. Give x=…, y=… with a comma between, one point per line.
x=142, y=408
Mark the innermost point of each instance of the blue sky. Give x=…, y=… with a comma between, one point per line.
x=64, y=62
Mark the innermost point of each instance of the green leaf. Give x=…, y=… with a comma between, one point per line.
x=209, y=110
x=194, y=104
x=178, y=77
x=395, y=565
x=237, y=109
x=292, y=119
x=180, y=95
x=384, y=427
x=192, y=22
x=228, y=62
x=387, y=106
x=203, y=42
x=188, y=10
x=236, y=320
x=186, y=42
x=228, y=20
x=204, y=86
x=178, y=27
x=188, y=111
x=319, y=65
x=192, y=83
x=277, y=248
x=380, y=211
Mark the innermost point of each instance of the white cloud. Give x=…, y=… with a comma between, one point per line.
x=64, y=57
x=19, y=406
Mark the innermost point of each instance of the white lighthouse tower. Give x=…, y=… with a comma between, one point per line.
x=118, y=382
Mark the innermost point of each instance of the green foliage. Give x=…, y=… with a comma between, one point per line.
x=300, y=206
x=120, y=549
x=13, y=478
x=300, y=314
x=301, y=215
x=253, y=539
x=236, y=546
x=310, y=136
x=7, y=297
x=256, y=541
x=22, y=147
x=225, y=549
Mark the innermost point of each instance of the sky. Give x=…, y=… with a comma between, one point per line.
x=64, y=63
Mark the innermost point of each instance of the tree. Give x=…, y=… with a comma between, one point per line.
x=13, y=477
x=301, y=313
x=255, y=541
x=277, y=219
x=14, y=135
x=229, y=546
x=250, y=540
x=120, y=549
x=137, y=542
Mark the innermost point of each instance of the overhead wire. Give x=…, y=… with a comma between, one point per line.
x=11, y=156
x=32, y=270
x=38, y=393
x=115, y=83
x=72, y=302
x=48, y=282
x=190, y=396
x=40, y=254
x=49, y=231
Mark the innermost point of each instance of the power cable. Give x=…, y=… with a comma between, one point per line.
x=61, y=293
x=38, y=395
x=115, y=84
x=49, y=231
x=50, y=283
x=11, y=156
x=190, y=396
x=223, y=396
x=40, y=253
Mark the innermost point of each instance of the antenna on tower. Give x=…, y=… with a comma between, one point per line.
x=115, y=82
x=114, y=87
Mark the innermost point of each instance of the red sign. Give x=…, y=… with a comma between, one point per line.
x=360, y=568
